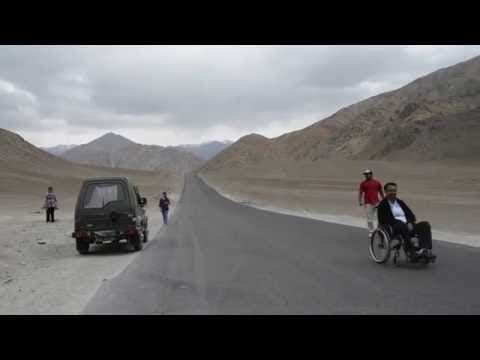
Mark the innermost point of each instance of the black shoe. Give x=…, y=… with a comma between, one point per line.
x=421, y=252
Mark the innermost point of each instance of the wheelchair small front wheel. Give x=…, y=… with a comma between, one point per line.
x=380, y=246
x=396, y=255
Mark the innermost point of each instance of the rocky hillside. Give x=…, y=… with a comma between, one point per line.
x=432, y=118
x=207, y=150
x=116, y=151
x=435, y=117
x=26, y=170
x=59, y=149
x=14, y=150
x=152, y=157
x=250, y=149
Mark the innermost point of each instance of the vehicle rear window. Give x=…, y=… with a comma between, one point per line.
x=97, y=196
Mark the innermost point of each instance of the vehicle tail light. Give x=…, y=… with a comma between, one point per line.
x=82, y=234
x=131, y=231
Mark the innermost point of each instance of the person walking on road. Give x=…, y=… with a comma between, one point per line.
x=164, y=205
x=368, y=196
x=50, y=204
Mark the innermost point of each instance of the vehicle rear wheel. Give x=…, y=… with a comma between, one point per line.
x=82, y=247
x=380, y=247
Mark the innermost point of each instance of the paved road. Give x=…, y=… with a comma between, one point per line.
x=220, y=257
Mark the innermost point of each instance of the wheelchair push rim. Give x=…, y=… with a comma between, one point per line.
x=380, y=250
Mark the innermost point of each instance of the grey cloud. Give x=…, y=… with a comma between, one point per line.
x=197, y=88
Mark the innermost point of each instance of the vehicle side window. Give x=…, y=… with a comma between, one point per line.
x=97, y=196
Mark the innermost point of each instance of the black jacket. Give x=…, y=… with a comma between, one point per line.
x=385, y=216
x=164, y=203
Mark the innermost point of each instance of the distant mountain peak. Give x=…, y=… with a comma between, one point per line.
x=111, y=141
x=113, y=150
x=59, y=149
x=228, y=142
x=253, y=138
x=112, y=135
x=206, y=150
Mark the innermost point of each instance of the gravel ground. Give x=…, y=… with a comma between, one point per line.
x=40, y=269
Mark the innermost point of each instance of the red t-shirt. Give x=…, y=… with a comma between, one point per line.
x=371, y=188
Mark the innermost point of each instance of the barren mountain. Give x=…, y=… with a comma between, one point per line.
x=59, y=149
x=26, y=170
x=14, y=149
x=251, y=149
x=435, y=117
x=113, y=150
x=207, y=150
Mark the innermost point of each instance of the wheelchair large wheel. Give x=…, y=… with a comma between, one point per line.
x=380, y=246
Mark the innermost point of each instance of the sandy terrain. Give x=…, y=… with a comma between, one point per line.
x=446, y=194
x=40, y=269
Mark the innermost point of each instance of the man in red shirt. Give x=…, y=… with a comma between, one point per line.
x=371, y=188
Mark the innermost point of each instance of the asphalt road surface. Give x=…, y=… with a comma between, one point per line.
x=220, y=257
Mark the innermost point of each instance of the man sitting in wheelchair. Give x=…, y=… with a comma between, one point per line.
x=396, y=216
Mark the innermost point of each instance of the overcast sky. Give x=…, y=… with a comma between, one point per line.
x=169, y=95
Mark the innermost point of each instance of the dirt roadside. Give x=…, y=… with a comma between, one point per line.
x=447, y=196
x=40, y=269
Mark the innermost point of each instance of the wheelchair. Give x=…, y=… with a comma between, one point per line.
x=381, y=247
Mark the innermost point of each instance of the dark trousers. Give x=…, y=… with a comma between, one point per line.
x=421, y=229
x=51, y=214
x=165, y=216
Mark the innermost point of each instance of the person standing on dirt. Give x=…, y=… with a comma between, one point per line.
x=369, y=192
x=50, y=204
x=164, y=205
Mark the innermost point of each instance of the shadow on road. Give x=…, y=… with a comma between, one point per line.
x=110, y=249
